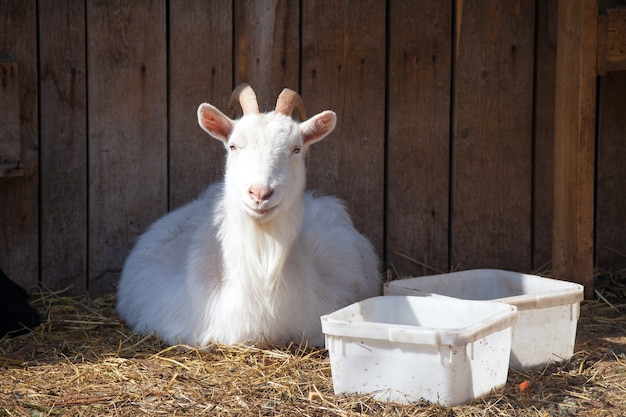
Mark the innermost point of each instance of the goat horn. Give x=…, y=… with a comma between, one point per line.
x=245, y=97
x=288, y=100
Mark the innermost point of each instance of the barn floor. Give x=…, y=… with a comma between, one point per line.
x=83, y=361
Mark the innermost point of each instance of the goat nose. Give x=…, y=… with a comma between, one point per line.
x=260, y=193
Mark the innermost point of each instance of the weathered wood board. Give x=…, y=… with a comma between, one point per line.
x=418, y=142
x=611, y=173
x=200, y=70
x=344, y=71
x=267, y=47
x=492, y=131
x=127, y=99
x=574, y=143
x=19, y=195
x=543, y=132
x=63, y=137
x=10, y=143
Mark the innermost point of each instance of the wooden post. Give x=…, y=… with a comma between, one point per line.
x=574, y=142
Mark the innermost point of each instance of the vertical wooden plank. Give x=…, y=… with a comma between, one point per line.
x=200, y=70
x=574, y=142
x=611, y=181
x=616, y=39
x=267, y=47
x=343, y=56
x=127, y=124
x=19, y=196
x=63, y=145
x=10, y=144
x=543, y=166
x=493, y=134
x=418, y=135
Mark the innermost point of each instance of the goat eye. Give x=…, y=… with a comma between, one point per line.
x=232, y=147
x=296, y=149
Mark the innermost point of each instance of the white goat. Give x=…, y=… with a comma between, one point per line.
x=254, y=258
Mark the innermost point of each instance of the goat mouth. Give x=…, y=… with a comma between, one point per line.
x=260, y=212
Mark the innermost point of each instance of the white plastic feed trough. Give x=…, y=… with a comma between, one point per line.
x=548, y=309
x=404, y=348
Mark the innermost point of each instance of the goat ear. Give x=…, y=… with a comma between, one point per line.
x=214, y=122
x=317, y=127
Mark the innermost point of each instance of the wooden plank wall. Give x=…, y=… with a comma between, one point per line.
x=443, y=148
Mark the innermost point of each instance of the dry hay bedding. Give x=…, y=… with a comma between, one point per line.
x=83, y=361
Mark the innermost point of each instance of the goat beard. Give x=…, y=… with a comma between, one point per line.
x=255, y=252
